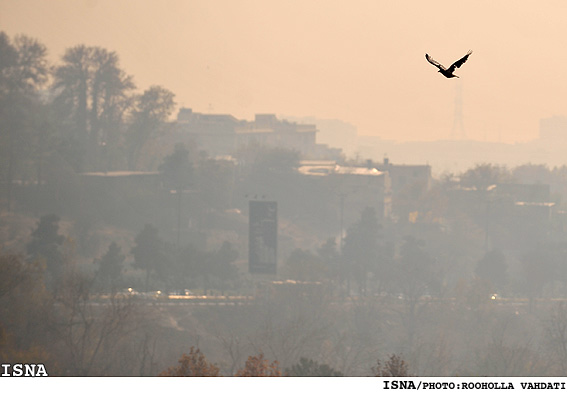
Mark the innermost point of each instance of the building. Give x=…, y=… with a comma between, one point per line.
x=526, y=193
x=404, y=176
x=357, y=187
x=215, y=134
x=224, y=134
x=118, y=183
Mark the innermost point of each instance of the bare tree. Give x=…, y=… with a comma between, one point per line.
x=555, y=328
x=91, y=331
x=233, y=346
x=395, y=366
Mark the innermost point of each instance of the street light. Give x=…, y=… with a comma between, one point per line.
x=179, y=193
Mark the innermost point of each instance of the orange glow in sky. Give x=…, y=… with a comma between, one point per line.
x=359, y=61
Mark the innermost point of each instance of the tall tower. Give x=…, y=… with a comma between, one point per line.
x=458, y=131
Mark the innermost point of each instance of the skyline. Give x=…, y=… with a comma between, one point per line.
x=362, y=63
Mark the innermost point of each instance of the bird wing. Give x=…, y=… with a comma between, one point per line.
x=434, y=62
x=459, y=62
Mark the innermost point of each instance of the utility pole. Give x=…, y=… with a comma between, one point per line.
x=342, y=197
x=342, y=209
x=178, y=217
x=179, y=193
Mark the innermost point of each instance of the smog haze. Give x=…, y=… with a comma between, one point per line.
x=361, y=62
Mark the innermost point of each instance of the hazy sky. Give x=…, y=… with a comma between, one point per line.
x=358, y=61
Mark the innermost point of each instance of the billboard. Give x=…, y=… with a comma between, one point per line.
x=263, y=237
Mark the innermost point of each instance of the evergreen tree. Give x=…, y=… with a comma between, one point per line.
x=110, y=267
x=151, y=110
x=177, y=169
x=93, y=95
x=361, y=250
x=492, y=268
x=23, y=71
x=46, y=243
x=150, y=253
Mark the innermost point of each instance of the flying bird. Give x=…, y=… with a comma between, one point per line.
x=448, y=72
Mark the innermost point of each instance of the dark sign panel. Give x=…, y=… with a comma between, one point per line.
x=263, y=237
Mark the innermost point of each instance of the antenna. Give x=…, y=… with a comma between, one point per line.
x=458, y=131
